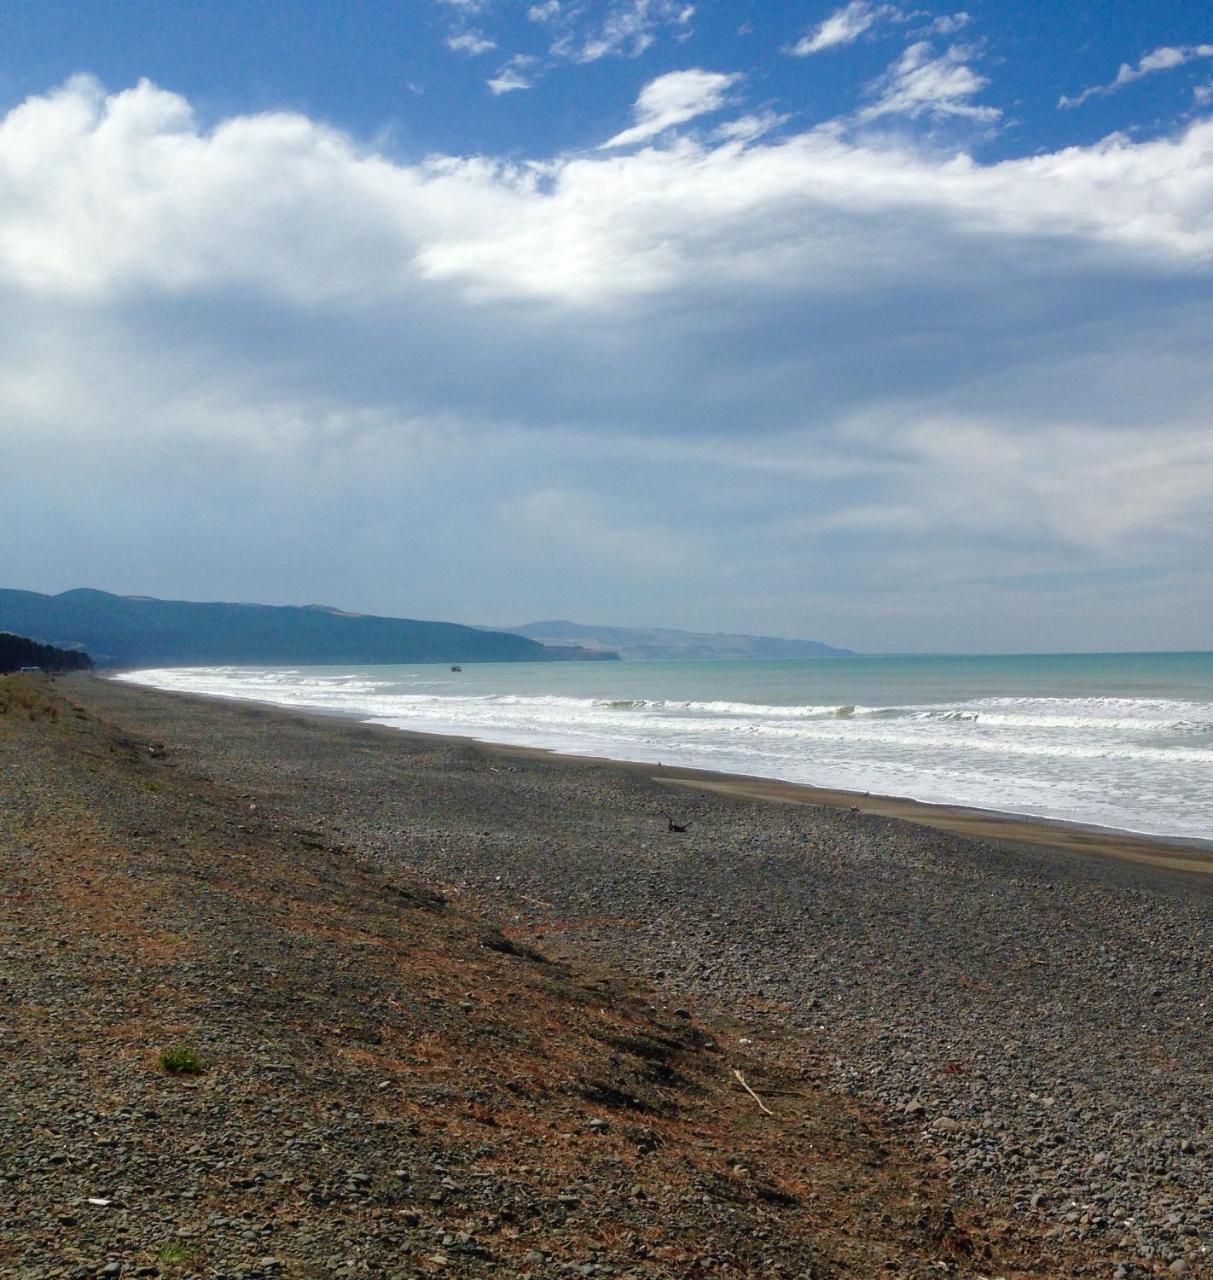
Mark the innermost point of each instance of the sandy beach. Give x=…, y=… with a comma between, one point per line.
x=1016, y=1014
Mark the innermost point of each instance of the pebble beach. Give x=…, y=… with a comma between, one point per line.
x=1031, y=1020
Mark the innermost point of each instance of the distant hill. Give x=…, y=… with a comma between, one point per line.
x=658, y=642
x=140, y=631
x=17, y=652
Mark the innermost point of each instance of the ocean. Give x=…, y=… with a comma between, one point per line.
x=1114, y=740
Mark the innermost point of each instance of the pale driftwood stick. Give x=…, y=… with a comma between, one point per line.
x=537, y=902
x=762, y=1106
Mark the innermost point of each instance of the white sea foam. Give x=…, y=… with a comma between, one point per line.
x=1144, y=763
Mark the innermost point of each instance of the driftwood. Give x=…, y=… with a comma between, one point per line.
x=762, y=1106
x=535, y=902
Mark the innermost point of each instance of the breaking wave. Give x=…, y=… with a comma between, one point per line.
x=1143, y=763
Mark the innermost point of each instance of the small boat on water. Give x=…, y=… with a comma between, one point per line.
x=456, y=668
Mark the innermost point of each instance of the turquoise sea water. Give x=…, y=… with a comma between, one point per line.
x=1118, y=740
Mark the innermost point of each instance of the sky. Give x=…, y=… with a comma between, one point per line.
x=881, y=324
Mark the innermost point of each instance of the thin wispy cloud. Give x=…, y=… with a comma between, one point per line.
x=471, y=43
x=922, y=83
x=628, y=29
x=948, y=24
x=577, y=32
x=749, y=127
x=844, y=26
x=508, y=80
x=514, y=76
x=1165, y=58
x=674, y=99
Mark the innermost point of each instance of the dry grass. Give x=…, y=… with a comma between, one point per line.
x=23, y=696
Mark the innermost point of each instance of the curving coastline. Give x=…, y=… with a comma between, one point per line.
x=1178, y=853
x=1124, y=745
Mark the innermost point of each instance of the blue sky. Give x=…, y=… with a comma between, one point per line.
x=884, y=324
x=388, y=72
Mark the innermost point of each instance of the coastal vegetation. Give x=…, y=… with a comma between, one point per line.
x=22, y=697
x=17, y=652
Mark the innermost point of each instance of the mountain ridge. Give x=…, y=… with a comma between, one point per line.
x=146, y=631
x=669, y=642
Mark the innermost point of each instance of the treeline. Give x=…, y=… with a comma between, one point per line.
x=19, y=651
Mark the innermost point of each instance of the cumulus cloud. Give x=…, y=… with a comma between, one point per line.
x=232, y=335
x=674, y=99
x=1165, y=58
x=844, y=26
x=126, y=191
x=921, y=83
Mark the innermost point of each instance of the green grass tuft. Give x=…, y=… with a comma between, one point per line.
x=181, y=1060
x=174, y=1253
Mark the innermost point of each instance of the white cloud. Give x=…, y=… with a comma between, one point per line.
x=674, y=99
x=921, y=84
x=1202, y=94
x=749, y=127
x=127, y=192
x=544, y=12
x=628, y=29
x=844, y=26
x=1165, y=58
x=471, y=43
x=508, y=81
x=1083, y=485
x=234, y=335
x=948, y=24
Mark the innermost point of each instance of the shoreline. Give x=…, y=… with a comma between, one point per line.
x=338, y=1105
x=1034, y=1025
x=1184, y=855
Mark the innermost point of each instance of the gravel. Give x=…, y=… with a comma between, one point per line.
x=1038, y=1025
